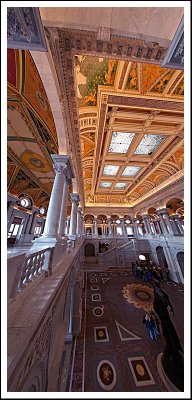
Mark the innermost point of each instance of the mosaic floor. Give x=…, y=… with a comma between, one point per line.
x=114, y=351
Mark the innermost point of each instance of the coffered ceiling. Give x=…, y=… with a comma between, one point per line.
x=136, y=146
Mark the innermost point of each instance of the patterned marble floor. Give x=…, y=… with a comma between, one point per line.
x=114, y=351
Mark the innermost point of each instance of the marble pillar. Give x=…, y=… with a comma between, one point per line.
x=73, y=225
x=165, y=222
x=162, y=223
x=135, y=227
x=95, y=227
x=63, y=214
x=124, y=233
x=178, y=224
x=109, y=226
x=79, y=229
x=63, y=167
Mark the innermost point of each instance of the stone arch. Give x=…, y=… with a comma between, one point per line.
x=180, y=259
x=89, y=250
x=161, y=257
x=26, y=195
x=173, y=204
x=114, y=217
x=102, y=218
x=152, y=212
x=88, y=218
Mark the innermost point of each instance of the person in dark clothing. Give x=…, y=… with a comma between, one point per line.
x=160, y=305
x=150, y=326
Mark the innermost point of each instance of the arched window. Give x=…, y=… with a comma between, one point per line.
x=25, y=202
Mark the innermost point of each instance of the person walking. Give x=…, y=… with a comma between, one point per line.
x=150, y=326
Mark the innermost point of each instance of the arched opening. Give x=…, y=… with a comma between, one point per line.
x=174, y=204
x=180, y=259
x=161, y=257
x=89, y=250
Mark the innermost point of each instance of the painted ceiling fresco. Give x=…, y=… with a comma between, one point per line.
x=90, y=72
x=130, y=137
x=31, y=134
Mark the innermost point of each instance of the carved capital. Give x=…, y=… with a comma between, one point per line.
x=74, y=198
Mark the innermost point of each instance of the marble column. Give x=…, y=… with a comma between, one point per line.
x=177, y=224
x=63, y=214
x=109, y=226
x=124, y=233
x=50, y=234
x=95, y=227
x=53, y=214
x=135, y=227
x=33, y=223
x=29, y=221
x=79, y=209
x=166, y=220
x=68, y=225
x=73, y=225
x=162, y=222
x=82, y=225
x=146, y=224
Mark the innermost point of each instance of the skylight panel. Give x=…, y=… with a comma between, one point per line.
x=120, y=142
x=149, y=143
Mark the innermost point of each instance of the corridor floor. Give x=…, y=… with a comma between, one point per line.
x=114, y=351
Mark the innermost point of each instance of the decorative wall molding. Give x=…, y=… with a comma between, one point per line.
x=24, y=29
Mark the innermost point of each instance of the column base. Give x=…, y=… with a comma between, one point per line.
x=45, y=241
x=72, y=237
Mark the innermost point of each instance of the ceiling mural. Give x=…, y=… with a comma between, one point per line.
x=90, y=72
x=31, y=133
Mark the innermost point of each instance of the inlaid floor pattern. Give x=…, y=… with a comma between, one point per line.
x=114, y=351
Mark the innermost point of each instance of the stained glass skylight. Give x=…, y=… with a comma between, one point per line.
x=105, y=184
x=149, y=143
x=130, y=171
x=120, y=142
x=110, y=169
x=120, y=185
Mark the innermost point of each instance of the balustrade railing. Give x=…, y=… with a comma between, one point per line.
x=24, y=269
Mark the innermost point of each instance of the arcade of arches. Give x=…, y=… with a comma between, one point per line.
x=95, y=206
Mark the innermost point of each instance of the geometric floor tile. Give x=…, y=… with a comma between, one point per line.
x=140, y=370
x=101, y=334
x=106, y=375
x=94, y=287
x=96, y=297
x=125, y=334
x=98, y=311
x=105, y=279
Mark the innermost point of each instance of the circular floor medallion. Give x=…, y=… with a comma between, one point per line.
x=142, y=295
x=106, y=375
x=98, y=311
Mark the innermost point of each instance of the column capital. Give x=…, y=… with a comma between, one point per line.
x=147, y=216
x=74, y=198
x=174, y=216
x=162, y=210
x=62, y=163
